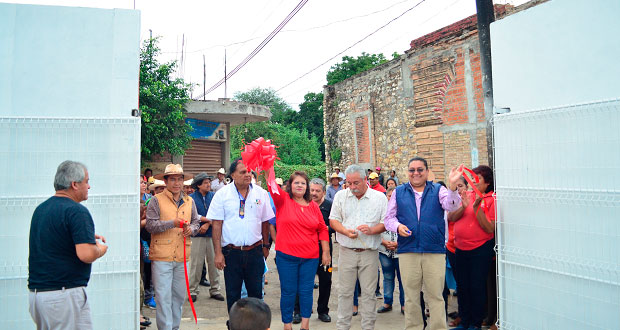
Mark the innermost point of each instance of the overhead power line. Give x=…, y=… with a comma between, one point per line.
x=353, y=45
x=258, y=48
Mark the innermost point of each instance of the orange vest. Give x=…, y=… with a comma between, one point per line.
x=168, y=245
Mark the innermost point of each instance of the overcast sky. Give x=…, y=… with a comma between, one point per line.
x=319, y=31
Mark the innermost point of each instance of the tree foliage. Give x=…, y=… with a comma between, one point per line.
x=310, y=118
x=295, y=147
x=351, y=66
x=281, y=112
x=162, y=103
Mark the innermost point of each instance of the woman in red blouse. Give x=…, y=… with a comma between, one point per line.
x=300, y=226
x=474, y=233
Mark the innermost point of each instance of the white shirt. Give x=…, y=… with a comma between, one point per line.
x=217, y=185
x=236, y=230
x=352, y=212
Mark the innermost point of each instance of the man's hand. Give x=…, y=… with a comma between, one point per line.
x=177, y=222
x=364, y=229
x=265, y=252
x=392, y=246
x=102, y=248
x=403, y=231
x=351, y=233
x=100, y=237
x=187, y=230
x=203, y=229
x=220, y=262
x=455, y=175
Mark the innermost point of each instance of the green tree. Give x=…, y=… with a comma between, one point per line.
x=281, y=112
x=351, y=66
x=295, y=147
x=162, y=103
x=310, y=118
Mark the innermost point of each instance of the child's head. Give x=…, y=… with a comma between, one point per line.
x=250, y=314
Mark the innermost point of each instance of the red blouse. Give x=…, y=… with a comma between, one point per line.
x=299, y=227
x=468, y=234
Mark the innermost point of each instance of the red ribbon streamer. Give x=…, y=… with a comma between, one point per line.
x=260, y=155
x=471, y=183
x=191, y=303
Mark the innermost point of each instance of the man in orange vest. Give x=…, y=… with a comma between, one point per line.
x=171, y=215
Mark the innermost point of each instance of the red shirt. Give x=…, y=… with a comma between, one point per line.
x=299, y=227
x=378, y=187
x=468, y=234
x=450, y=244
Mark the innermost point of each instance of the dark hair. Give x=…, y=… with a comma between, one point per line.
x=289, y=183
x=487, y=173
x=250, y=314
x=443, y=184
x=390, y=179
x=233, y=165
x=464, y=180
x=146, y=170
x=420, y=159
x=392, y=171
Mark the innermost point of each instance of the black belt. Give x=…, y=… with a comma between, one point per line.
x=55, y=289
x=244, y=248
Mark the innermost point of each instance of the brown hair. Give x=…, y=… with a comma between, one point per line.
x=290, y=183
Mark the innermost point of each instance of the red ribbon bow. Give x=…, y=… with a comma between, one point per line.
x=260, y=155
x=191, y=303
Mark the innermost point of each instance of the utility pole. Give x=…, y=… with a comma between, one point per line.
x=225, y=86
x=204, y=78
x=486, y=16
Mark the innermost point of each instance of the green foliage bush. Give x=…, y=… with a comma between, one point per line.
x=284, y=171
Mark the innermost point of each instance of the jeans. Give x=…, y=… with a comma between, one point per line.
x=296, y=277
x=390, y=268
x=471, y=280
x=243, y=266
x=325, y=286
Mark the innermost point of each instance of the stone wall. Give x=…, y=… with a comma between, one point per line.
x=427, y=103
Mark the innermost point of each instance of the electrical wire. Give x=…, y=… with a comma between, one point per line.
x=258, y=48
x=353, y=45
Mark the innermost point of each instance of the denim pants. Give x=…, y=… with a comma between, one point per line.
x=471, y=281
x=243, y=266
x=391, y=271
x=296, y=277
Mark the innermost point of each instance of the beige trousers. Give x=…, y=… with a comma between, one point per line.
x=202, y=247
x=428, y=269
x=351, y=266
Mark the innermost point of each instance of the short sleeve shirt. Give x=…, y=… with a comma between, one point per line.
x=57, y=225
x=352, y=212
x=237, y=230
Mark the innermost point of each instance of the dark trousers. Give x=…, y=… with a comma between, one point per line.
x=471, y=281
x=325, y=286
x=452, y=260
x=243, y=266
x=492, y=293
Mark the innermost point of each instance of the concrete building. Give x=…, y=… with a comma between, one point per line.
x=426, y=103
x=211, y=121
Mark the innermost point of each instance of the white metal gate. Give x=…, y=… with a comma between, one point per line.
x=68, y=83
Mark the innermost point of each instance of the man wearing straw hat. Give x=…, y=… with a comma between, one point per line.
x=220, y=181
x=171, y=215
x=334, y=186
x=357, y=217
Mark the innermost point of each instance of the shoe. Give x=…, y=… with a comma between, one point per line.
x=205, y=283
x=150, y=303
x=378, y=295
x=217, y=296
x=296, y=318
x=384, y=309
x=146, y=322
x=453, y=315
x=325, y=318
x=402, y=311
x=355, y=313
x=455, y=322
x=193, y=297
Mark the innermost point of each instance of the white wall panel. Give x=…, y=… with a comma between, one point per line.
x=68, y=83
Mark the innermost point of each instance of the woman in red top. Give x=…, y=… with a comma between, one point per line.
x=300, y=226
x=474, y=231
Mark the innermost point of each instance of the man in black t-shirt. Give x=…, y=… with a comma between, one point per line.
x=63, y=244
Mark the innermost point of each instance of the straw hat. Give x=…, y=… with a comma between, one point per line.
x=222, y=171
x=188, y=182
x=173, y=169
x=335, y=176
x=279, y=181
x=156, y=184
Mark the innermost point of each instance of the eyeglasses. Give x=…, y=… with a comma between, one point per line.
x=419, y=170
